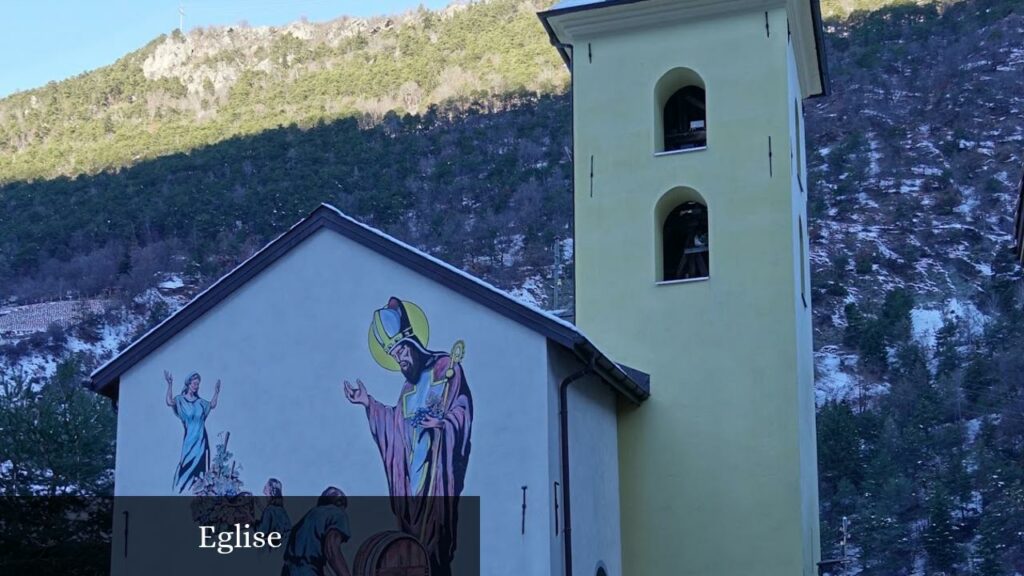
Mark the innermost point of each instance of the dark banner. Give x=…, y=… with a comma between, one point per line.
x=199, y=536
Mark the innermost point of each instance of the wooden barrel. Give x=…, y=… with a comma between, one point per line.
x=391, y=553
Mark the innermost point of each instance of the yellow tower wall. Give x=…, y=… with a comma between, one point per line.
x=718, y=468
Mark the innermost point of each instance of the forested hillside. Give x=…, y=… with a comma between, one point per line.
x=474, y=184
x=181, y=92
x=451, y=130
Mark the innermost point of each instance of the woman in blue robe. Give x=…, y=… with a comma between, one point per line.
x=195, y=446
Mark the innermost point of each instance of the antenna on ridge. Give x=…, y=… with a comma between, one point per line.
x=181, y=18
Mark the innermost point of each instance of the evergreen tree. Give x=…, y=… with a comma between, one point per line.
x=57, y=447
x=885, y=535
x=912, y=399
x=839, y=454
x=939, y=539
x=895, y=314
x=886, y=539
x=58, y=438
x=854, y=324
x=987, y=555
x=978, y=379
x=946, y=354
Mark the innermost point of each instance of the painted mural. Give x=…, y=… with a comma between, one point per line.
x=315, y=541
x=192, y=410
x=424, y=439
x=220, y=499
x=223, y=476
x=274, y=517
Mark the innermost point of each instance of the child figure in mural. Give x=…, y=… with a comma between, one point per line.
x=424, y=440
x=274, y=517
x=195, y=446
x=315, y=542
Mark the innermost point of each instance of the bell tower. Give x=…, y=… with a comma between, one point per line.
x=691, y=265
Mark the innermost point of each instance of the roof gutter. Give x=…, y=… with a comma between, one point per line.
x=566, y=57
x=632, y=384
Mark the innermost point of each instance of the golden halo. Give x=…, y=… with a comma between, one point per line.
x=420, y=329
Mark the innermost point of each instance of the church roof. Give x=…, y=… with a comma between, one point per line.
x=631, y=383
x=574, y=3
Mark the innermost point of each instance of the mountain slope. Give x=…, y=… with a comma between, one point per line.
x=184, y=91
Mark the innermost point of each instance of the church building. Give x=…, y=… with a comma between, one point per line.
x=669, y=429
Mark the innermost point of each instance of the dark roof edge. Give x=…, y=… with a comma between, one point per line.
x=554, y=39
x=105, y=379
x=584, y=7
x=1018, y=224
x=569, y=10
x=819, y=44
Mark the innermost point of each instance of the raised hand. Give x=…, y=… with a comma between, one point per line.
x=216, y=394
x=169, y=399
x=356, y=394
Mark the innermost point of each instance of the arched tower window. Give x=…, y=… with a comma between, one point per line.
x=681, y=111
x=684, y=248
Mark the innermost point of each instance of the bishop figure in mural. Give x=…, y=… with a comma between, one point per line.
x=424, y=439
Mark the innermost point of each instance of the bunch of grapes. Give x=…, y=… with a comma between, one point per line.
x=221, y=500
x=433, y=410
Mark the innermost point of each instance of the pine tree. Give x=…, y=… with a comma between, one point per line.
x=872, y=344
x=895, y=314
x=978, y=379
x=854, y=324
x=839, y=454
x=885, y=533
x=57, y=438
x=987, y=556
x=939, y=539
x=946, y=354
x=886, y=538
x=57, y=444
x=913, y=400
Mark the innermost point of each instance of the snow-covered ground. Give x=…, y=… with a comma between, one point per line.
x=18, y=321
x=112, y=336
x=172, y=283
x=836, y=378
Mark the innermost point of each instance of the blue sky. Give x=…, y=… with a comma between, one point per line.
x=44, y=40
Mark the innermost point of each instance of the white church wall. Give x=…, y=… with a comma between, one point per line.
x=594, y=470
x=594, y=462
x=804, y=330
x=282, y=345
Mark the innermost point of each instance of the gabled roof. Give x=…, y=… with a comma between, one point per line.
x=807, y=12
x=632, y=384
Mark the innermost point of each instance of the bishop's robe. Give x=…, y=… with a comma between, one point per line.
x=426, y=467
